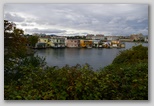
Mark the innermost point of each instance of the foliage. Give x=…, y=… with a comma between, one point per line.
x=32, y=40
x=126, y=82
x=80, y=83
x=15, y=52
x=133, y=55
x=14, y=42
x=14, y=46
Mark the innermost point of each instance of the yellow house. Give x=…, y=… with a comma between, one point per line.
x=86, y=43
x=45, y=40
x=115, y=43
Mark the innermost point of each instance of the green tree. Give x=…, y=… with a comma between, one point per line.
x=14, y=48
x=17, y=64
x=14, y=42
x=32, y=40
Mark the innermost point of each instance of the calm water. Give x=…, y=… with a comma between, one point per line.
x=96, y=57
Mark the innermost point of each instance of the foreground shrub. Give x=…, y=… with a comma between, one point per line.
x=133, y=55
x=125, y=80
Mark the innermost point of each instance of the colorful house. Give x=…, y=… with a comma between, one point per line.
x=73, y=43
x=86, y=43
x=45, y=40
x=115, y=43
x=107, y=44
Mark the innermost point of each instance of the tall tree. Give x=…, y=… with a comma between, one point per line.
x=14, y=45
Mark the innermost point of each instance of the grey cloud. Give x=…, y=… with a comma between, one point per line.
x=94, y=17
x=141, y=20
x=26, y=24
x=14, y=17
x=36, y=30
x=115, y=20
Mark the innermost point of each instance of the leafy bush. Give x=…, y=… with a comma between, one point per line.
x=133, y=55
x=125, y=79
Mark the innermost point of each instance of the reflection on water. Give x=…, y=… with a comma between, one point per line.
x=96, y=57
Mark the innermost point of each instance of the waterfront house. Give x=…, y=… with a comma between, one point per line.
x=72, y=43
x=65, y=41
x=86, y=43
x=115, y=43
x=96, y=43
x=45, y=40
x=107, y=44
x=57, y=42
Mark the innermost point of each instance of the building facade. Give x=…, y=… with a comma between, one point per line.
x=57, y=42
x=73, y=43
x=45, y=40
x=86, y=43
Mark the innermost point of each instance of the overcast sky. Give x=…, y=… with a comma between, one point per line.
x=79, y=19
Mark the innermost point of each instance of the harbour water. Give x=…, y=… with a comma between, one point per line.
x=96, y=57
